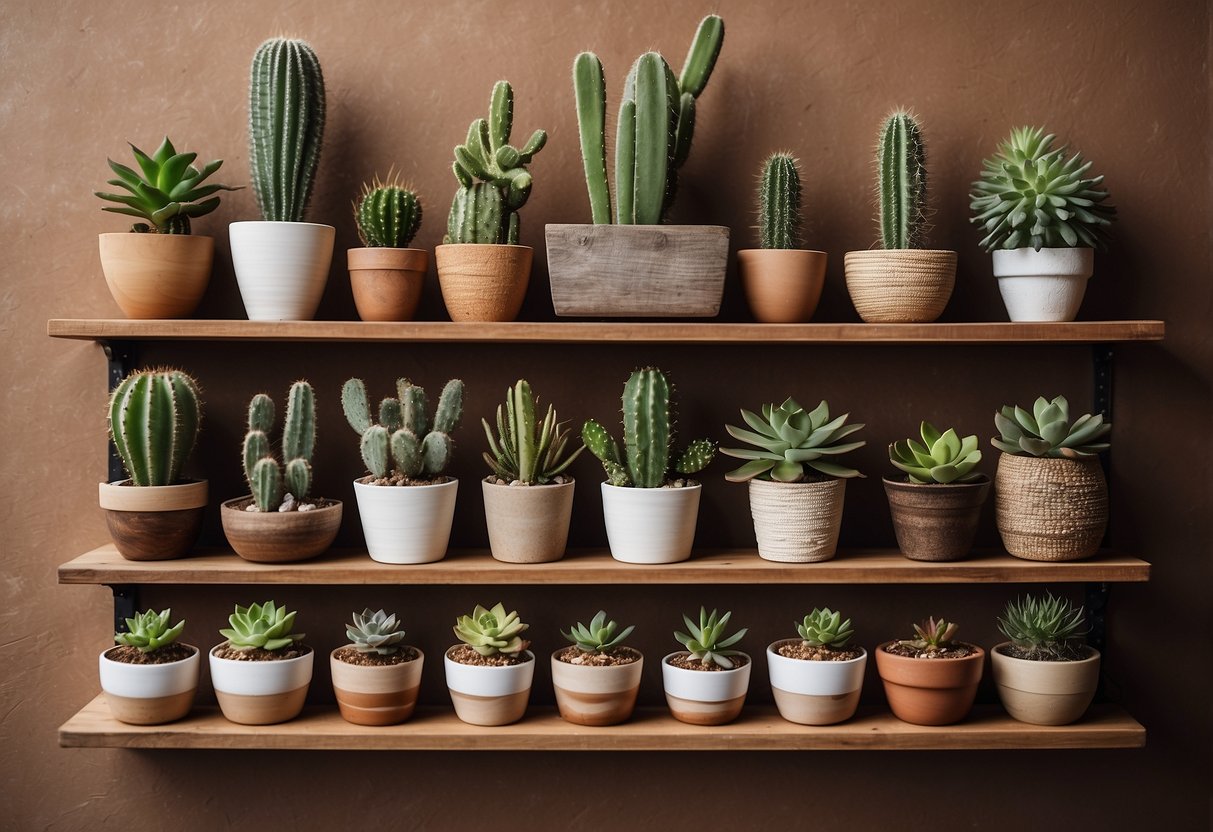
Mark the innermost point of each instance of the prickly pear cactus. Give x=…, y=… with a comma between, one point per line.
x=403, y=444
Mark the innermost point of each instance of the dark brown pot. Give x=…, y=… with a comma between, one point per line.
x=156, y=522
x=930, y=691
x=387, y=281
x=279, y=537
x=936, y=522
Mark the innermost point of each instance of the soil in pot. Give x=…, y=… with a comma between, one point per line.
x=930, y=688
x=257, y=654
x=165, y=655
x=466, y=655
x=610, y=658
x=280, y=536
x=934, y=521
x=352, y=655
x=374, y=689
x=809, y=653
x=596, y=688
x=684, y=661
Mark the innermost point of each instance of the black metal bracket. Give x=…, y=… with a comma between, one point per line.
x=126, y=603
x=1101, y=365
x=118, y=358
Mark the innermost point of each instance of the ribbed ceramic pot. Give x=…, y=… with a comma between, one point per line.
x=936, y=522
x=384, y=694
x=705, y=697
x=589, y=695
x=650, y=525
x=1045, y=693
x=261, y=692
x=1050, y=509
x=153, y=522
x=528, y=523
x=815, y=692
x=281, y=267
x=797, y=522
x=930, y=691
x=900, y=285
x=482, y=282
x=407, y=523
x=149, y=694
x=279, y=536
x=486, y=695
x=157, y=275
x=386, y=282
x=782, y=286
x=1045, y=285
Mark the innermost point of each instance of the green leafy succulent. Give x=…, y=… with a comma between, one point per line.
x=1045, y=628
x=489, y=632
x=149, y=631
x=375, y=632
x=825, y=628
x=266, y=626
x=931, y=636
x=706, y=642
x=1047, y=431
x=533, y=451
x=790, y=441
x=939, y=458
x=599, y=636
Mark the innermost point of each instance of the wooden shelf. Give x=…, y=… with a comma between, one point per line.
x=734, y=566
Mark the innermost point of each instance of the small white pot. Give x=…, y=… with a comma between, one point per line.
x=1045, y=693
x=261, y=693
x=815, y=693
x=650, y=525
x=149, y=694
x=486, y=695
x=281, y=267
x=407, y=524
x=705, y=697
x=1045, y=285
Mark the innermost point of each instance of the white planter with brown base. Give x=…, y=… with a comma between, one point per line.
x=1050, y=509
x=384, y=694
x=261, y=692
x=528, y=523
x=815, y=692
x=489, y=695
x=1045, y=692
x=650, y=525
x=705, y=697
x=596, y=695
x=797, y=522
x=149, y=694
x=153, y=522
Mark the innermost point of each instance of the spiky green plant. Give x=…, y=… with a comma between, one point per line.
x=1030, y=194
x=403, y=439
x=791, y=444
x=153, y=420
x=647, y=437
x=779, y=217
x=901, y=164
x=931, y=636
x=375, y=632
x=388, y=214
x=266, y=476
x=524, y=449
x=150, y=631
x=1048, y=628
x=707, y=642
x=492, y=631
x=599, y=636
x=265, y=626
x=939, y=458
x=1047, y=430
x=825, y=628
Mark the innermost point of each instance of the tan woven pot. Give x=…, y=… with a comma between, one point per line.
x=797, y=522
x=906, y=285
x=1050, y=509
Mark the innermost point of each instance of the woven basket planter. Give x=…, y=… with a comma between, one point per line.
x=1050, y=509
x=797, y=522
x=910, y=286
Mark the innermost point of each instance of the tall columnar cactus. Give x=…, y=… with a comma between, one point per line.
x=153, y=419
x=266, y=477
x=388, y=215
x=779, y=202
x=902, y=182
x=286, y=126
x=403, y=438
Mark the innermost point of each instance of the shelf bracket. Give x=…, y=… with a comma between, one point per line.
x=118, y=359
x=126, y=604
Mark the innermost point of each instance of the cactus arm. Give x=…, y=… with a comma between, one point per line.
x=391, y=415
x=266, y=484
x=686, y=129
x=256, y=447
x=116, y=407
x=187, y=416
x=600, y=442
x=501, y=115
x=356, y=405
x=625, y=164
x=135, y=419
x=298, y=478
x=513, y=230
x=701, y=58
x=436, y=450
x=413, y=403
x=299, y=429
x=646, y=427
x=261, y=413
x=524, y=429
x=535, y=144
x=653, y=137
x=406, y=452
x=374, y=447
x=696, y=457
x=462, y=174
x=589, y=88
x=450, y=407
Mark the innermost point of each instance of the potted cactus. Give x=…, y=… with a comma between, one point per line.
x=148, y=677
x=901, y=282
x=649, y=506
x=782, y=281
x=489, y=672
x=483, y=271
x=154, y=514
x=936, y=506
x=261, y=671
x=385, y=274
x=816, y=678
x=796, y=491
x=1050, y=495
x=282, y=263
x=706, y=683
x=280, y=520
x=930, y=679
x=598, y=677
x=376, y=676
x=1043, y=219
x=406, y=502
x=160, y=270
x=627, y=263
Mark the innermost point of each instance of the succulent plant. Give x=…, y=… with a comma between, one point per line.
x=166, y=193
x=375, y=632
x=494, y=631
x=931, y=636
x=599, y=637
x=790, y=442
x=779, y=203
x=707, y=643
x=404, y=439
x=150, y=631
x=1047, y=431
x=1048, y=628
x=647, y=436
x=1032, y=195
x=825, y=628
x=524, y=449
x=153, y=419
x=939, y=458
x=901, y=163
x=266, y=476
x=261, y=626
x=388, y=214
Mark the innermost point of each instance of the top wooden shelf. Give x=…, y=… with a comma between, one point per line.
x=1081, y=332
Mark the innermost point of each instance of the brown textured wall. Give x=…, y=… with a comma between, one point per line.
x=1126, y=83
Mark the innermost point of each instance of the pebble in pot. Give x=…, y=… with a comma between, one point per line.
x=489, y=674
x=149, y=678
x=598, y=677
x=706, y=684
x=930, y=679
x=817, y=678
x=262, y=671
x=376, y=676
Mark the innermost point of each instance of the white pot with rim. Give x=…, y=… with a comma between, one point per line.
x=1045, y=692
x=281, y=267
x=489, y=694
x=815, y=692
x=261, y=692
x=650, y=525
x=149, y=694
x=407, y=524
x=1045, y=285
x=705, y=697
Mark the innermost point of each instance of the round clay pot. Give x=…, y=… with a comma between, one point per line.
x=704, y=697
x=900, y=285
x=149, y=694
x=281, y=267
x=376, y=694
x=930, y=691
x=936, y=522
x=1045, y=692
x=261, y=692
x=483, y=282
x=153, y=522
x=528, y=523
x=407, y=524
x=157, y=275
x=279, y=536
x=487, y=695
x=387, y=281
x=1045, y=285
x=815, y=692
x=797, y=522
x=650, y=525
x=588, y=695
x=782, y=286
x=1050, y=509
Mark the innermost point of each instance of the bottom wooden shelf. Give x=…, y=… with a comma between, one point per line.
x=651, y=729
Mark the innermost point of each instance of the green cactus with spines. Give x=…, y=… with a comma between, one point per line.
x=527, y=449
x=153, y=417
x=266, y=477
x=403, y=440
x=901, y=161
x=387, y=214
x=779, y=218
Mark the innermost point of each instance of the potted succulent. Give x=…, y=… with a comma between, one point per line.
x=282, y=263
x=160, y=270
x=627, y=263
x=385, y=274
x=482, y=270
x=796, y=490
x=280, y=520
x=930, y=679
x=816, y=678
x=1043, y=217
x=489, y=673
x=706, y=683
x=650, y=509
x=261, y=671
x=528, y=500
x=406, y=502
x=598, y=677
x=154, y=514
x=901, y=282
x=1046, y=674
x=782, y=281
x=936, y=506
x=1050, y=496
x=148, y=678
x=376, y=676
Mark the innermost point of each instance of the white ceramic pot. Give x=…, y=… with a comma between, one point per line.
x=705, y=697
x=815, y=692
x=149, y=694
x=261, y=693
x=486, y=695
x=596, y=695
x=1045, y=285
x=1045, y=693
x=650, y=525
x=281, y=267
x=407, y=523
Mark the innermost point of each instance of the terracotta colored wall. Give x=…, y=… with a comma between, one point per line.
x=1127, y=83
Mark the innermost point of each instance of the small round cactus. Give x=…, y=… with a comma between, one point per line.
x=388, y=215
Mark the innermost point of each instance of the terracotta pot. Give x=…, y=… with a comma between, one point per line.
x=376, y=694
x=261, y=693
x=1050, y=509
x=153, y=522
x=407, y=523
x=1045, y=285
x=1045, y=693
x=387, y=281
x=157, y=275
x=650, y=525
x=815, y=692
x=936, y=522
x=483, y=282
x=280, y=536
x=797, y=522
x=281, y=267
x=900, y=285
x=704, y=697
x=587, y=695
x=149, y=694
x=485, y=695
x=528, y=523
x=782, y=286
x=930, y=691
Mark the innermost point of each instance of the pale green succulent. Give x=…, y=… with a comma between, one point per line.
x=375, y=632
x=266, y=626
x=825, y=628
x=599, y=636
x=931, y=636
x=1047, y=431
x=149, y=631
x=489, y=632
x=939, y=458
x=1045, y=628
x=790, y=441
x=706, y=642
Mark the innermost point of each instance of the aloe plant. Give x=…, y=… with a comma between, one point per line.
x=525, y=449
x=600, y=636
x=1048, y=628
x=707, y=643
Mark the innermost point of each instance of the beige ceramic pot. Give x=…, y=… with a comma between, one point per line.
x=1050, y=509
x=280, y=537
x=261, y=692
x=157, y=275
x=782, y=286
x=705, y=697
x=588, y=695
x=797, y=522
x=376, y=694
x=1045, y=693
x=483, y=282
x=149, y=694
x=153, y=522
x=528, y=523
x=486, y=695
x=930, y=691
x=815, y=692
x=936, y=522
x=387, y=281
x=900, y=285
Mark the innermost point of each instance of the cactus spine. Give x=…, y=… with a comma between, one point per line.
x=286, y=126
x=902, y=172
x=388, y=215
x=153, y=420
x=266, y=477
x=779, y=203
x=403, y=442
